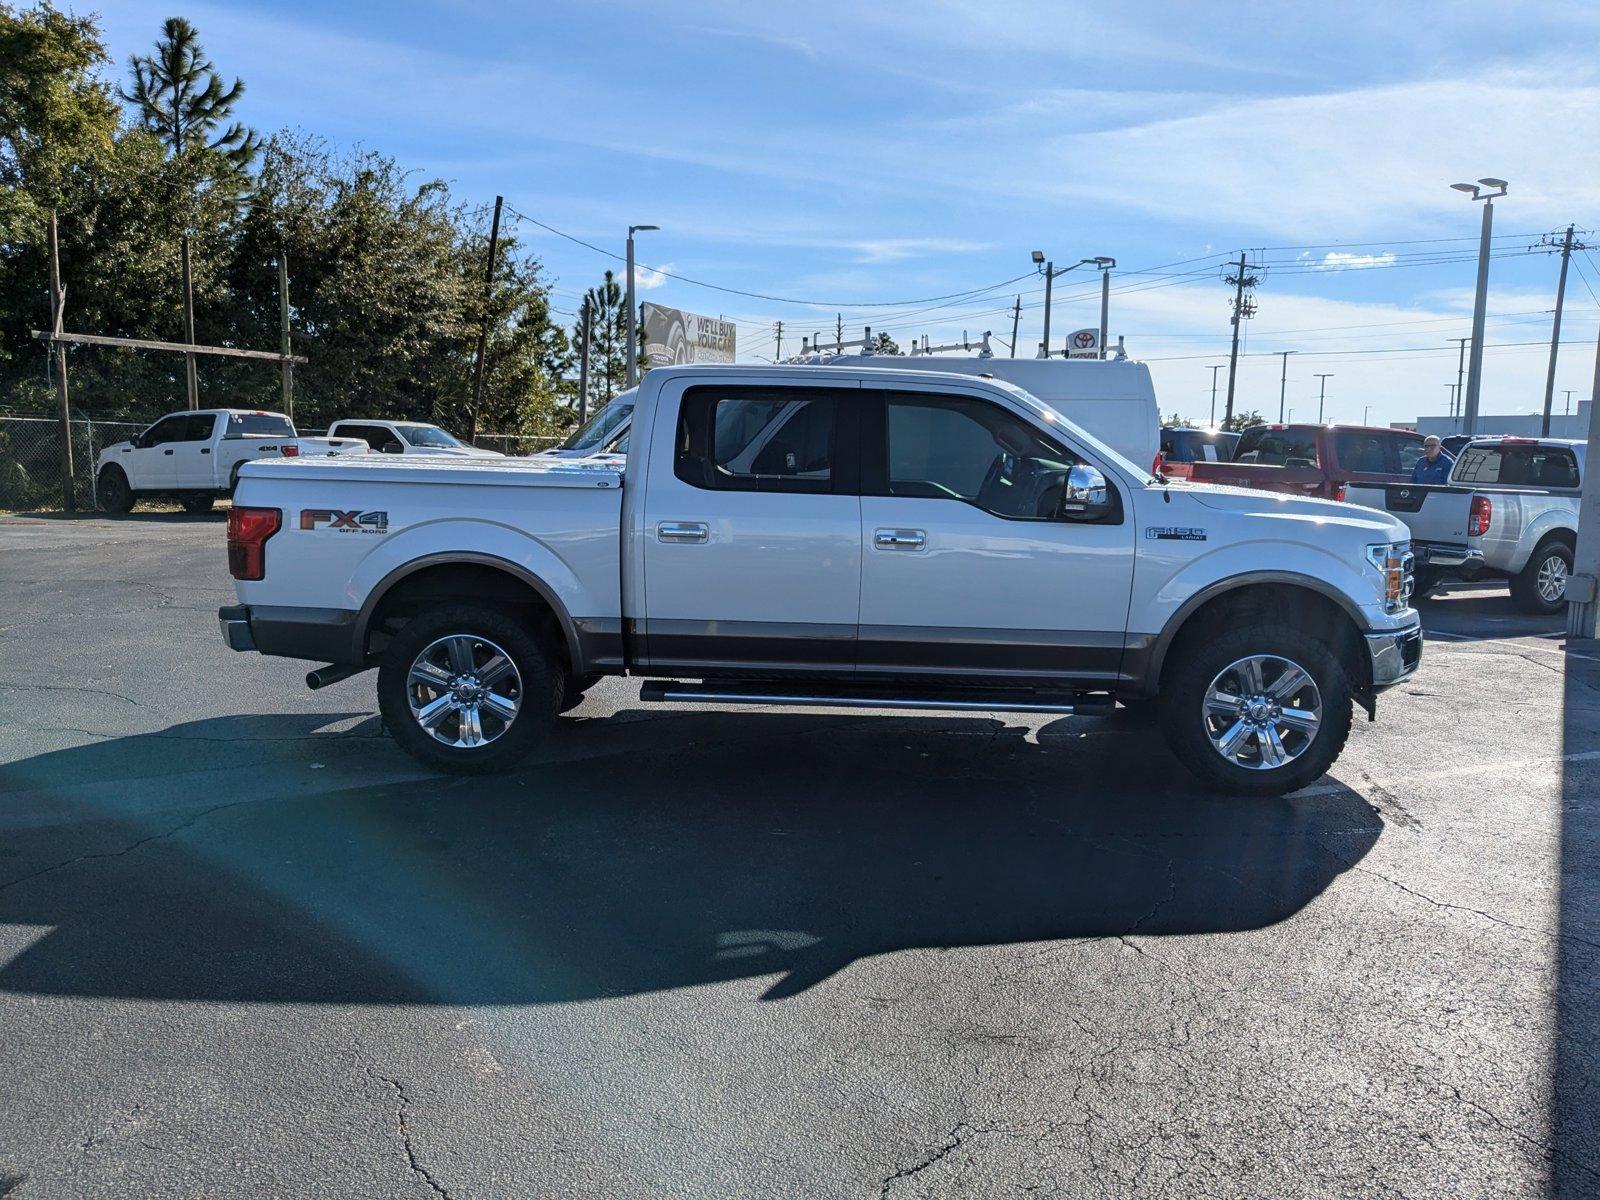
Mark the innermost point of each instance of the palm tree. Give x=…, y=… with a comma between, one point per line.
x=181, y=99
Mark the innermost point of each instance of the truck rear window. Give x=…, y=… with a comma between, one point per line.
x=1518, y=466
x=1277, y=447
x=259, y=425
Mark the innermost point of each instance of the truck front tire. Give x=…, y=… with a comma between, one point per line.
x=467, y=688
x=113, y=492
x=1259, y=710
x=197, y=502
x=1541, y=586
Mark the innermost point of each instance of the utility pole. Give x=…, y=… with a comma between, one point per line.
x=1581, y=607
x=1567, y=247
x=1105, y=265
x=58, y=304
x=1322, y=394
x=586, y=323
x=1242, y=310
x=838, y=332
x=1366, y=413
x=191, y=379
x=1469, y=417
x=633, y=310
x=283, y=333
x=1461, y=366
x=483, y=330
x=1569, y=391
x=777, y=353
x=1283, y=382
x=1016, y=320
x=1214, y=371
x=1451, y=403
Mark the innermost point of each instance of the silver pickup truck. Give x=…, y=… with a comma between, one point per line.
x=1510, y=509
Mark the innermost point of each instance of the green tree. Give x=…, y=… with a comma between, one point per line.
x=1174, y=421
x=608, y=324
x=180, y=98
x=1243, y=420
x=884, y=344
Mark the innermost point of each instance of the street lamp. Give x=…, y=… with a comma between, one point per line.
x=1477, y=191
x=1049, y=271
x=633, y=315
x=1283, y=381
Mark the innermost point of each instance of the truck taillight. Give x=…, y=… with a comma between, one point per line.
x=248, y=531
x=1157, y=463
x=1478, y=516
x=1340, y=491
x=291, y=451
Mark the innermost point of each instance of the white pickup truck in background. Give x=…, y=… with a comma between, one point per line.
x=1510, y=510
x=855, y=537
x=407, y=437
x=195, y=457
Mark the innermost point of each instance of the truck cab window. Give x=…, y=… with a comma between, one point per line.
x=165, y=431
x=956, y=448
x=756, y=440
x=1277, y=447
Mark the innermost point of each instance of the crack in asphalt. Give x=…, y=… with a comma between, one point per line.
x=952, y=1143
x=1554, y=934
x=129, y=849
x=404, y=1129
x=82, y=691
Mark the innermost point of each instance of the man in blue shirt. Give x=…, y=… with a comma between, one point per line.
x=1434, y=465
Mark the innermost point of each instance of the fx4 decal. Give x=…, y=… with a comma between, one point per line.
x=1171, y=533
x=344, y=522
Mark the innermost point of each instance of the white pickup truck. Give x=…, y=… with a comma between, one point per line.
x=1509, y=510
x=407, y=437
x=912, y=540
x=195, y=456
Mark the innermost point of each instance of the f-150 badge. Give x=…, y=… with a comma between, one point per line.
x=344, y=522
x=1172, y=533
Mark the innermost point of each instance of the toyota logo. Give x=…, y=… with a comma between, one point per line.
x=1085, y=339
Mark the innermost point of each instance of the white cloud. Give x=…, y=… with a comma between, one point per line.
x=647, y=279
x=1336, y=260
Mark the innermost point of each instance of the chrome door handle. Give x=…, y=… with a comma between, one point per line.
x=166, y=452
x=899, y=539
x=682, y=531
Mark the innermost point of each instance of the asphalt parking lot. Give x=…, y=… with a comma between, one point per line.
x=249, y=949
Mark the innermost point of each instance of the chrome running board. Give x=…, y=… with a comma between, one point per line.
x=1066, y=704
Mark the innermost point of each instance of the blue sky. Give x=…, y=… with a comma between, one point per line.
x=857, y=156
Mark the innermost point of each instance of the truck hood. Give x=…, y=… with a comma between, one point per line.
x=1380, y=526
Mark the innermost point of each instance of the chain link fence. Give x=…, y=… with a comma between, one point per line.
x=30, y=459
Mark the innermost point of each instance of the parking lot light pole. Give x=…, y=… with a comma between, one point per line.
x=1496, y=188
x=1322, y=394
x=1105, y=264
x=1215, y=368
x=1049, y=271
x=633, y=314
x=1283, y=382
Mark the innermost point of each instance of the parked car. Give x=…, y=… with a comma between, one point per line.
x=1181, y=448
x=1336, y=462
x=606, y=432
x=195, y=457
x=408, y=437
x=1510, y=509
x=907, y=540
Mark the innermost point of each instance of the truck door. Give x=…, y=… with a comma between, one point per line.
x=149, y=463
x=192, y=454
x=752, y=531
x=969, y=568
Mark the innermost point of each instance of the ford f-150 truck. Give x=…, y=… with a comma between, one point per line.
x=1510, y=510
x=407, y=437
x=911, y=540
x=1336, y=462
x=195, y=456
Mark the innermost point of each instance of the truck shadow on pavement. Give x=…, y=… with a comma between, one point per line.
x=644, y=853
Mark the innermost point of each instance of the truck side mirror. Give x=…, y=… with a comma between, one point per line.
x=1087, y=496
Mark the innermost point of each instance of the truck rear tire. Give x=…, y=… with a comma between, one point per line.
x=197, y=503
x=1258, y=710
x=1541, y=586
x=467, y=689
x=113, y=492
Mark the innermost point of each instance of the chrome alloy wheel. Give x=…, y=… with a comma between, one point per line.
x=1552, y=581
x=1262, y=712
x=464, y=691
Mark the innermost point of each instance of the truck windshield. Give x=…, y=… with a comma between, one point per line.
x=428, y=436
x=597, y=430
x=259, y=425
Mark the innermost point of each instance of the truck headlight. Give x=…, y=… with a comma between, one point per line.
x=1393, y=562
